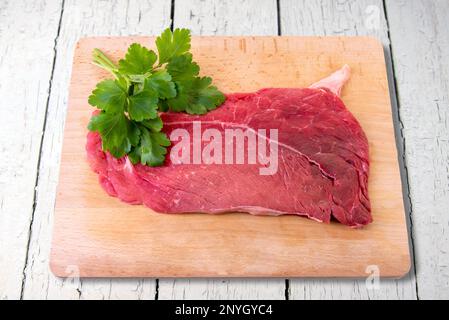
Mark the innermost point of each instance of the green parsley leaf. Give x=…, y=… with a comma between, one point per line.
x=118, y=134
x=163, y=106
x=196, y=96
x=143, y=105
x=182, y=67
x=134, y=155
x=172, y=44
x=152, y=148
x=109, y=96
x=160, y=81
x=206, y=94
x=139, y=60
x=129, y=122
x=154, y=125
x=180, y=102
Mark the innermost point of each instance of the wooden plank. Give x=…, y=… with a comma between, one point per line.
x=230, y=17
x=80, y=18
x=420, y=47
x=27, y=33
x=327, y=17
x=221, y=289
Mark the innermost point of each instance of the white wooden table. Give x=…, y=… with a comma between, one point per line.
x=37, y=39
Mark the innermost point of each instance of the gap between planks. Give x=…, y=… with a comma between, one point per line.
x=172, y=17
x=279, y=26
x=401, y=148
x=50, y=84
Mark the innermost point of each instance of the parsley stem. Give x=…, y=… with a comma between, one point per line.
x=101, y=60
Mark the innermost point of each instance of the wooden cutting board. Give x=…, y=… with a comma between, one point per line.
x=100, y=236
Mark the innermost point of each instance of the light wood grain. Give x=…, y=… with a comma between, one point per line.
x=81, y=17
x=352, y=18
x=228, y=17
x=27, y=33
x=420, y=46
x=104, y=237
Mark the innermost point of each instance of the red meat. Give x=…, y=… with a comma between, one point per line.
x=322, y=168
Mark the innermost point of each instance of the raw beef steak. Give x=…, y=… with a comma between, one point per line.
x=322, y=160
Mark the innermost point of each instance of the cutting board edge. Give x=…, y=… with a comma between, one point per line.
x=60, y=271
x=56, y=268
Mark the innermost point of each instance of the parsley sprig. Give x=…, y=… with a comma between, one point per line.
x=145, y=84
